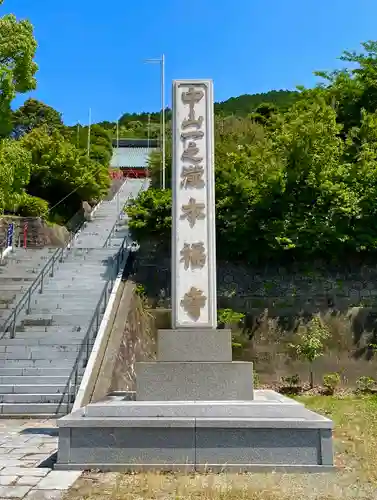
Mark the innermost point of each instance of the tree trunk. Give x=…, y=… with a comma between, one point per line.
x=311, y=379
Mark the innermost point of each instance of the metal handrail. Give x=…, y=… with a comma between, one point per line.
x=25, y=301
x=10, y=322
x=83, y=355
x=113, y=229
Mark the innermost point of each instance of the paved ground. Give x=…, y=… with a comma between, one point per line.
x=25, y=444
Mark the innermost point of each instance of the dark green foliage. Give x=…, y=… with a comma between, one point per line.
x=33, y=114
x=247, y=103
x=300, y=183
x=32, y=206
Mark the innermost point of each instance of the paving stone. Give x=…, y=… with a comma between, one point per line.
x=59, y=480
x=10, y=462
x=7, y=480
x=28, y=480
x=13, y=491
x=36, y=456
x=22, y=471
x=45, y=495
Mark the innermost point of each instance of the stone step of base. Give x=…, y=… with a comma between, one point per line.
x=34, y=398
x=14, y=409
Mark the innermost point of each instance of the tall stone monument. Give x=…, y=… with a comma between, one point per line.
x=195, y=409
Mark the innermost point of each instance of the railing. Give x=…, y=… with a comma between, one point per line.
x=72, y=385
x=25, y=301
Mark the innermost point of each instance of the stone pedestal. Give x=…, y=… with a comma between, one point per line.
x=194, y=365
x=196, y=414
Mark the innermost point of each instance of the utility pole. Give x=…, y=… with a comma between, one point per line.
x=89, y=127
x=161, y=62
x=163, y=120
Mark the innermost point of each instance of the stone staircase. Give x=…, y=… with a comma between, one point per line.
x=35, y=365
x=17, y=273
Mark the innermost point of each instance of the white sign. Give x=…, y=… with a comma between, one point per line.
x=193, y=213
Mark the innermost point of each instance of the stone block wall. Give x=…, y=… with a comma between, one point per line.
x=277, y=299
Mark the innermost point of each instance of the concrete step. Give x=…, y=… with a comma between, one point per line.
x=37, y=319
x=45, y=341
x=34, y=388
x=33, y=398
x=13, y=371
x=22, y=382
x=7, y=297
x=22, y=409
x=64, y=363
x=13, y=287
x=39, y=355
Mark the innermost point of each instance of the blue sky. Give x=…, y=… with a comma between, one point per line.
x=91, y=52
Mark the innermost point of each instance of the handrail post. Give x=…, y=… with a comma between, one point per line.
x=42, y=277
x=52, y=267
x=87, y=348
x=28, y=302
x=13, y=329
x=97, y=320
x=68, y=397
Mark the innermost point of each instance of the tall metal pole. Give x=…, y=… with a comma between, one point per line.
x=163, y=120
x=161, y=61
x=90, y=124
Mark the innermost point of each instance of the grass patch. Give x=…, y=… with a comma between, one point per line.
x=355, y=439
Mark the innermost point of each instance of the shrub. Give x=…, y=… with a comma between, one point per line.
x=365, y=384
x=291, y=381
x=331, y=382
x=256, y=380
x=32, y=206
x=229, y=317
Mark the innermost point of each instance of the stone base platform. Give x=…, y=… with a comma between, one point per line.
x=272, y=432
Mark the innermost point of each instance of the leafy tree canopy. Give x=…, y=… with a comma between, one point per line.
x=294, y=180
x=33, y=114
x=17, y=66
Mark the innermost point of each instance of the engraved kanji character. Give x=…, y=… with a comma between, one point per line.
x=193, y=255
x=189, y=154
x=192, y=176
x=193, y=301
x=197, y=123
x=192, y=97
x=192, y=134
x=193, y=211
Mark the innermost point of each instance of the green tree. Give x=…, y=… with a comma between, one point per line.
x=310, y=345
x=15, y=167
x=33, y=114
x=101, y=148
x=61, y=174
x=17, y=66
